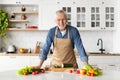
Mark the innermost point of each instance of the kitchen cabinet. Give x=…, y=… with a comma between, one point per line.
x=34, y=60
x=13, y=62
x=86, y=15
x=48, y=10
x=105, y=62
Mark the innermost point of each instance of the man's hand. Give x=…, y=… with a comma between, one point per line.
x=40, y=64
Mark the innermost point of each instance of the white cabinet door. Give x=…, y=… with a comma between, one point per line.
x=13, y=62
x=34, y=61
x=3, y=62
x=47, y=15
x=105, y=62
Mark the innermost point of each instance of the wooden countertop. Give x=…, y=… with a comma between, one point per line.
x=33, y=54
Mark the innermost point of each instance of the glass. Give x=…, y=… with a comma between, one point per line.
x=97, y=10
x=78, y=17
x=107, y=16
x=78, y=24
x=69, y=16
x=69, y=23
x=93, y=10
x=107, y=24
x=97, y=16
x=112, y=24
x=78, y=10
x=83, y=9
x=83, y=24
x=97, y=24
x=92, y=16
x=112, y=16
x=107, y=9
x=64, y=8
x=69, y=9
x=112, y=9
x=92, y=24
x=83, y=16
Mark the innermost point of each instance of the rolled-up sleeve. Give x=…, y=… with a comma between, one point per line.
x=46, y=47
x=79, y=46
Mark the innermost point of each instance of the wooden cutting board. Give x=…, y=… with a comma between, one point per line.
x=61, y=69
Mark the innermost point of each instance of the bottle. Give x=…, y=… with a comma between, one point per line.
x=23, y=8
x=12, y=16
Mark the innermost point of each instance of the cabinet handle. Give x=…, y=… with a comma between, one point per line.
x=73, y=2
x=93, y=64
x=13, y=57
x=111, y=65
x=19, y=2
x=58, y=2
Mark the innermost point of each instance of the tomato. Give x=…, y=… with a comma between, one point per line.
x=71, y=71
x=33, y=73
x=25, y=73
x=36, y=72
x=43, y=71
x=92, y=74
x=77, y=72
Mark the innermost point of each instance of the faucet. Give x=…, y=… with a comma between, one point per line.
x=101, y=49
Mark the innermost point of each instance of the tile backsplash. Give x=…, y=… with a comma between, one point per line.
x=28, y=39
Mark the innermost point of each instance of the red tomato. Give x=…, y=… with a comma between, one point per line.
x=33, y=73
x=77, y=71
x=89, y=74
x=92, y=74
x=36, y=72
x=71, y=71
x=25, y=73
x=43, y=71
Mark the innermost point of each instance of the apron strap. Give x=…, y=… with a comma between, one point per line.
x=57, y=31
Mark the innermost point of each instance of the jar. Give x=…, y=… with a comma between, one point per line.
x=23, y=17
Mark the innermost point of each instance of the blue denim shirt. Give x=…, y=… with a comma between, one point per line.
x=75, y=40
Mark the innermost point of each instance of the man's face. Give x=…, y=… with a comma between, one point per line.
x=61, y=21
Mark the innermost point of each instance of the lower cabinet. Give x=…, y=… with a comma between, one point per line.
x=13, y=62
x=34, y=60
x=105, y=62
x=17, y=62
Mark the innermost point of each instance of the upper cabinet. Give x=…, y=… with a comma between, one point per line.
x=47, y=14
x=90, y=15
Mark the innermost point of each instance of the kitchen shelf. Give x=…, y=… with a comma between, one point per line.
x=26, y=12
x=18, y=21
x=22, y=29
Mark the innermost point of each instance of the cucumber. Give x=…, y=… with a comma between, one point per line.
x=67, y=65
x=56, y=66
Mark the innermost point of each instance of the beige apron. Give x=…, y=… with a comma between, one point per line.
x=63, y=51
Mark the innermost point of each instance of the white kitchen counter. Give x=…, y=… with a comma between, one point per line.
x=12, y=75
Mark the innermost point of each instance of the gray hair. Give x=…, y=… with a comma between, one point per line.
x=62, y=11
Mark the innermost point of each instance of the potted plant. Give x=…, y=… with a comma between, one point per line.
x=4, y=20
